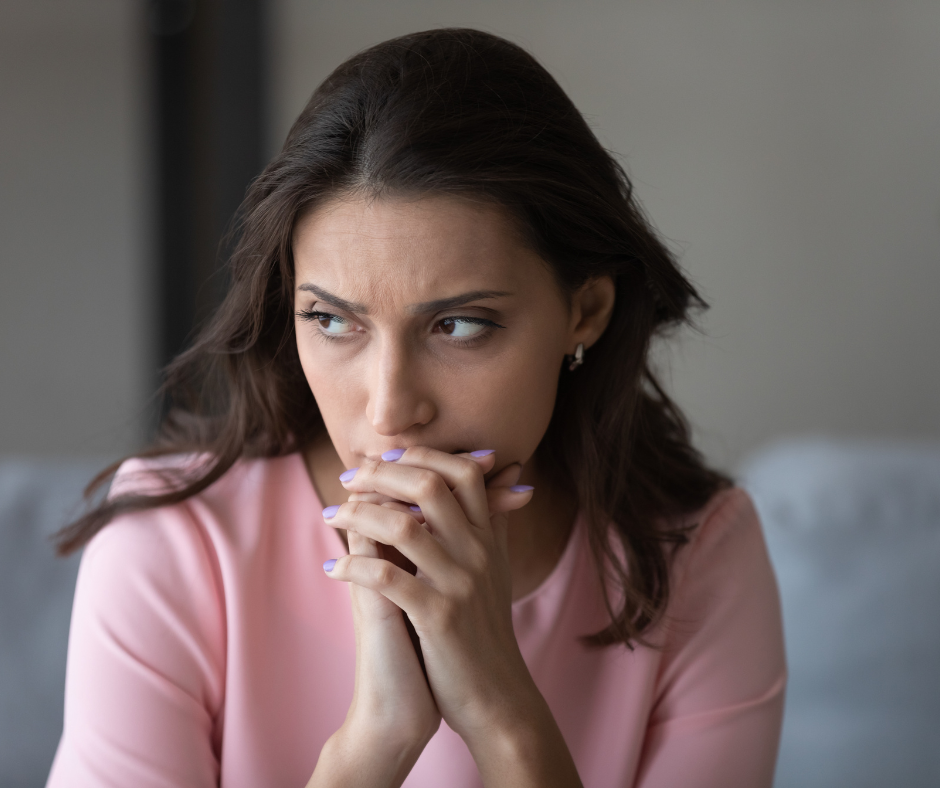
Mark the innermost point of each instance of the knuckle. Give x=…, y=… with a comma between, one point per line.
x=384, y=574
x=429, y=484
x=403, y=528
x=469, y=471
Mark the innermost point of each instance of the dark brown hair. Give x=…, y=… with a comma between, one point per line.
x=460, y=112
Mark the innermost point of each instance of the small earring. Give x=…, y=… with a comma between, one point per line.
x=578, y=357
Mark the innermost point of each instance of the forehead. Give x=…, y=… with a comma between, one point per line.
x=374, y=249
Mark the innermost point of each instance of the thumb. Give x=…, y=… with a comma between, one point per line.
x=502, y=492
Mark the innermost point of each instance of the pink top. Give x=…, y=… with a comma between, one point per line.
x=209, y=648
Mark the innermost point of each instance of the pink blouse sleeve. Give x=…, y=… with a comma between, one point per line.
x=144, y=682
x=716, y=722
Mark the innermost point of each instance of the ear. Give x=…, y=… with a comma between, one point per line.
x=591, y=308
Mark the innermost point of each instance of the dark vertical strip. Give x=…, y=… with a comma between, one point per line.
x=209, y=93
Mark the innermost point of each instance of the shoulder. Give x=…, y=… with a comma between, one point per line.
x=175, y=551
x=726, y=555
x=722, y=632
x=727, y=523
x=152, y=583
x=718, y=699
x=725, y=541
x=229, y=511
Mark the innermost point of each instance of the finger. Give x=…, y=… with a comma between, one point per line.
x=462, y=474
x=383, y=577
x=387, y=500
x=421, y=486
x=361, y=545
x=508, y=499
x=506, y=477
x=397, y=529
x=371, y=497
x=413, y=509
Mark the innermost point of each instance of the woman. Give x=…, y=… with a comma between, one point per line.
x=436, y=334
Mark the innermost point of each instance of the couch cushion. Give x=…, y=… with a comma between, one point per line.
x=853, y=529
x=36, y=499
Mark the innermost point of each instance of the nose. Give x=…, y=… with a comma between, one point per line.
x=398, y=395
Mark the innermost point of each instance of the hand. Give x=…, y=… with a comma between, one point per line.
x=393, y=714
x=459, y=601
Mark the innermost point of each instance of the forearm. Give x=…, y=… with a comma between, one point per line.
x=355, y=760
x=525, y=750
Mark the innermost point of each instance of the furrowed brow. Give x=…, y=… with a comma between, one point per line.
x=335, y=300
x=454, y=301
x=423, y=308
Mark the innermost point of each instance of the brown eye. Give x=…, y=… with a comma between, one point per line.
x=331, y=324
x=463, y=327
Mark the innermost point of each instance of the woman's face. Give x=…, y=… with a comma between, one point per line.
x=427, y=321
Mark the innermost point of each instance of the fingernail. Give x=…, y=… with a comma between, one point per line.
x=328, y=565
x=521, y=488
x=347, y=476
x=330, y=511
x=482, y=452
x=392, y=454
x=415, y=508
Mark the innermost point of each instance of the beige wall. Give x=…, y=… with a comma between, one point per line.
x=75, y=360
x=790, y=152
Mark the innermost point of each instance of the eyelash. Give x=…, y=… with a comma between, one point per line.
x=312, y=315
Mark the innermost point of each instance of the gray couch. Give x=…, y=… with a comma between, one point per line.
x=853, y=529
x=854, y=533
x=36, y=498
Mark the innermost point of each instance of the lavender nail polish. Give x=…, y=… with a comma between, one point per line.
x=328, y=565
x=415, y=508
x=330, y=512
x=521, y=487
x=392, y=454
x=347, y=476
x=482, y=453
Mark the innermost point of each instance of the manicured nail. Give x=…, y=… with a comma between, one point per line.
x=415, y=508
x=328, y=565
x=521, y=488
x=347, y=476
x=330, y=511
x=392, y=454
x=482, y=452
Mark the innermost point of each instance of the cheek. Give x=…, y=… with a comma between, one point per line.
x=332, y=391
x=510, y=402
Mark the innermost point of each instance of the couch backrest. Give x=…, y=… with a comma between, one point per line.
x=853, y=529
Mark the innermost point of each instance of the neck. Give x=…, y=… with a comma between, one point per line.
x=538, y=532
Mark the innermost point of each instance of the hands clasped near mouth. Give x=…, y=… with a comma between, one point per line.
x=440, y=514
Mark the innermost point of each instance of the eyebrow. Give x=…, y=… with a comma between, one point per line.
x=416, y=309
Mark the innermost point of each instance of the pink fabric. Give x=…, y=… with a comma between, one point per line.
x=209, y=648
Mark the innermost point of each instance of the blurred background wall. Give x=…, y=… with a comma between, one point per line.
x=76, y=324
x=787, y=151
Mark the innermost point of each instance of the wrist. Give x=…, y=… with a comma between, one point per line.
x=362, y=756
x=524, y=747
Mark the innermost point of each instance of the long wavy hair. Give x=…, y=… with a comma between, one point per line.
x=461, y=112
